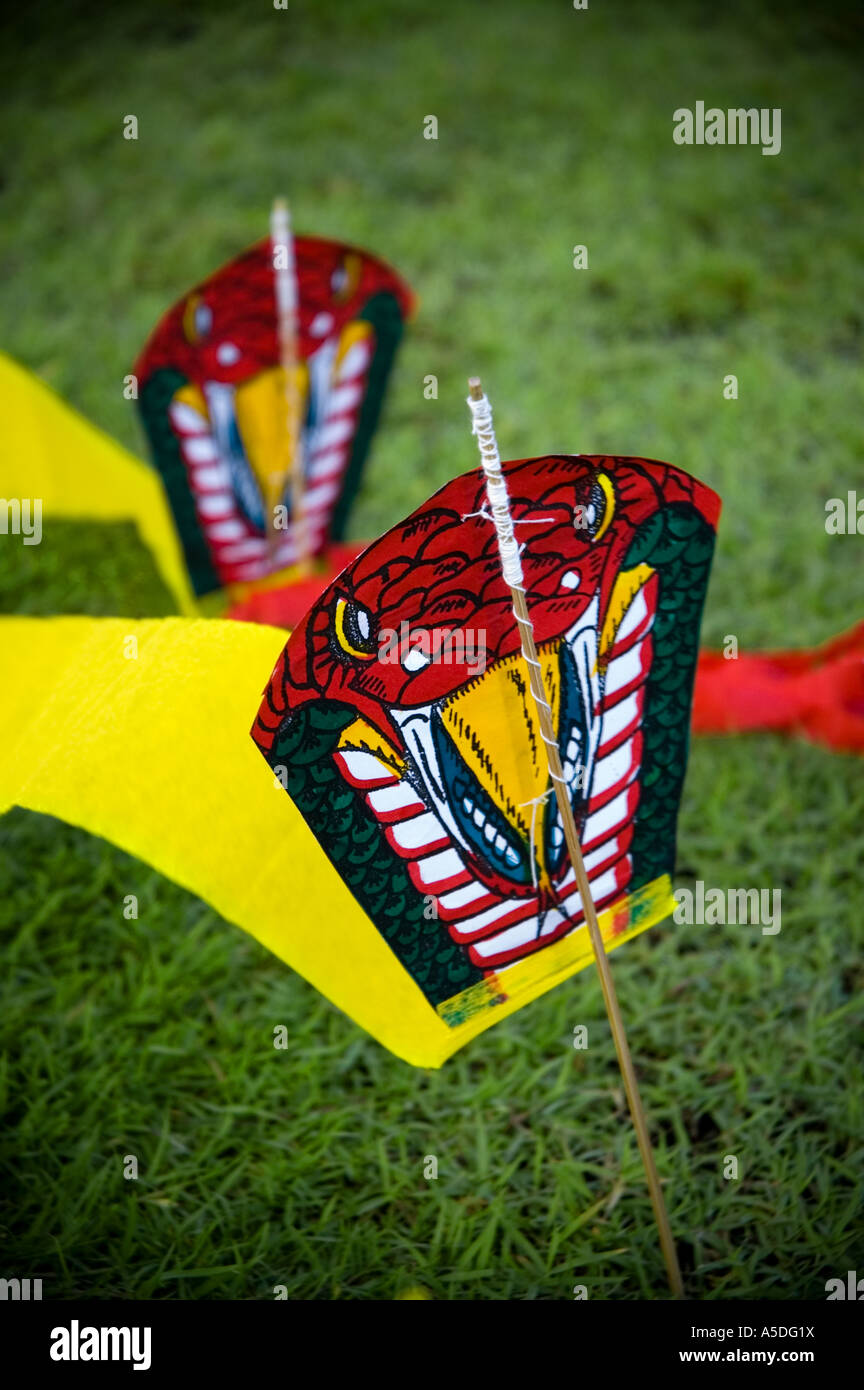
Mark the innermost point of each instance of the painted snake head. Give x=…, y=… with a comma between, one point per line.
x=402, y=697
x=213, y=398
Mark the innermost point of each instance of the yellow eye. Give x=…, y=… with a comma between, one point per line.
x=595, y=515
x=608, y=505
x=353, y=627
x=197, y=319
x=346, y=277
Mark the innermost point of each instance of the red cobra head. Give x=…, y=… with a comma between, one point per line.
x=213, y=397
x=417, y=644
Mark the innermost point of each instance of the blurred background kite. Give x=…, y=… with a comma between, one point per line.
x=211, y=391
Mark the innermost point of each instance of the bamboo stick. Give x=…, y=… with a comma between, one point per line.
x=511, y=566
x=287, y=321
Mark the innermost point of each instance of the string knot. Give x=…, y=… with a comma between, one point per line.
x=496, y=489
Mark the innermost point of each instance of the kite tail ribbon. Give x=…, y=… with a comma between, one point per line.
x=817, y=693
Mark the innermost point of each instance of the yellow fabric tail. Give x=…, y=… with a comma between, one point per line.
x=139, y=732
x=49, y=451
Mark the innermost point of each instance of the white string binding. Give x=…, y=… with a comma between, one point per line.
x=522, y=521
x=534, y=802
x=508, y=546
x=285, y=275
x=496, y=490
x=512, y=569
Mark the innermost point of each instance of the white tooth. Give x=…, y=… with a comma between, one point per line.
x=601, y=887
x=345, y=398
x=458, y=898
x=479, y=818
x=489, y=833
x=615, y=766
x=622, y=715
x=557, y=837
x=210, y=477
x=468, y=804
x=511, y=857
x=636, y=614
x=500, y=843
x=322, y=464
x=334, y=432
x=243, y=550
x=317, y=497
x=572, y=750
x=601, y=824
x=489, y=916
x=437, y=868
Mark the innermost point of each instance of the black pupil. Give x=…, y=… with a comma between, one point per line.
x=358, y=629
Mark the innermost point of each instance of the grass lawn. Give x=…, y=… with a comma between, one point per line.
x=153, y=1038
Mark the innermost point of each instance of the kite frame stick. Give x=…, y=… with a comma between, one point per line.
x=287, y=319
x=511, y=566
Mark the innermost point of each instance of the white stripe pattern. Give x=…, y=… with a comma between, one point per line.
x=239, y=552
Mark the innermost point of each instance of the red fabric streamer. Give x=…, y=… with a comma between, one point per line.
x=817, y=693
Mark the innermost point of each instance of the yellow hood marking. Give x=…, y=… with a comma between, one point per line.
x=194, y=396
x=626, y=587
x=493, y=724
x=609, y=510
x=361, y=737
x=357, y=331
x=262, y=420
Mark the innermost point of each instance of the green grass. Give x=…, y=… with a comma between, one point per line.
x=154, y=1037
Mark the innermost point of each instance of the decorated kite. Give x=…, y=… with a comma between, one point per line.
x=484, y=730
x=484, y=720
x=259, y=392
x=400, y=717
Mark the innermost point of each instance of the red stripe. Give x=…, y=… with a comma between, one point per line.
x=518, y=913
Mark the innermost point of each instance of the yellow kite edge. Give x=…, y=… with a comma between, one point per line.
x=139, y=732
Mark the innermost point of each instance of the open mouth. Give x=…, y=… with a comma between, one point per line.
x=483, y=827
x=478, y=762
x=247, y=489
x=234, y=443
x=469, y=810
x=574, y=747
